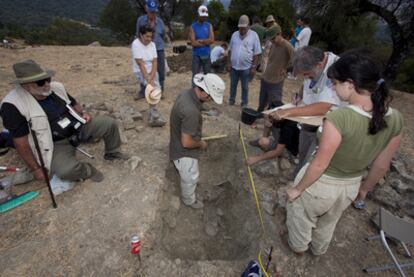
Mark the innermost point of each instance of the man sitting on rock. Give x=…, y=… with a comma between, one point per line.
x=185, y=132
x=42, y=109
x=285, y=135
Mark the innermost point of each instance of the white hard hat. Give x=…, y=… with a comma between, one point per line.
x=212, y=84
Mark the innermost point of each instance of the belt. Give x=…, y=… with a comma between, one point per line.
x=309, y=128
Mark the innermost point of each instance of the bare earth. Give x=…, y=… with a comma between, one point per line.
x=89, y=233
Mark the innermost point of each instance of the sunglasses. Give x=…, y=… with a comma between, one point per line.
x=41, y=83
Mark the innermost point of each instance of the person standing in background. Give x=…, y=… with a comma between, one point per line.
x=155, y=22
x=202, y=36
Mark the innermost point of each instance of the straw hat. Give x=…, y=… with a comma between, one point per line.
x=29, y=71
x=211, y=84
x=269, y=19
x=153, y=94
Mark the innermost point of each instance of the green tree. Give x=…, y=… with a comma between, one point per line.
x=119, y=17
x=216, y=13
x=399, y=15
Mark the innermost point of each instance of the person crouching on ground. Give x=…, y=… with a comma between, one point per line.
x=144, y=65
x=185, y=132
x=363, y=135
x=285, y=135
x=42, y=108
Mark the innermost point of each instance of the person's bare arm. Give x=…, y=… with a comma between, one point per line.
x=194, y=42
x=79, y=110
x=153, y=69
x=189, y=142
x=25, y=152
x=267, y=155
x=211, y=38
x=144, y=72
x=254, y=65
x=330, y=141
x=315, y=109
x=379, y=167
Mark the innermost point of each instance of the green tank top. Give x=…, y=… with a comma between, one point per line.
x=358, y=149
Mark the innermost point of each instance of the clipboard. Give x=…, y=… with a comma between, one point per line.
x=310, y=120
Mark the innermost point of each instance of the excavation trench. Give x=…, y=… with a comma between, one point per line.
x=227, y=228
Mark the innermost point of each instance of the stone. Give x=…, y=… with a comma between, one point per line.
x=211, y=228
x=133, y=162
x=284, y=164
x=136, y=116
x=267, y=169
x=175, y=202
x=399, y=186
x=128, y=124
x=267, y=196
x=109, y=107
x=219, y=212
x=139, y=129
x=269, y=208
x=95, y=44
x=387, y=195
x=281, y=197
x=122, y=135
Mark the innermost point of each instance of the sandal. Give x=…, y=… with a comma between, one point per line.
x=359, y=204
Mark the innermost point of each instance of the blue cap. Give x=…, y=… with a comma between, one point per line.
x=152, y=6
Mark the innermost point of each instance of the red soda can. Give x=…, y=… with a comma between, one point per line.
x=135, y=245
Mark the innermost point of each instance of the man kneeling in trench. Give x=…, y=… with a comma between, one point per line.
x=185, y=132
x=42, y=108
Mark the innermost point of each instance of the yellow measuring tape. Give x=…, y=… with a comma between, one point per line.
x=251, y=178
x=259, y=210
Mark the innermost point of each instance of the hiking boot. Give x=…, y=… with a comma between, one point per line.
x=94, y=174
x=116, y=156
x=198, y=204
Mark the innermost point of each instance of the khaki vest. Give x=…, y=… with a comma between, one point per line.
x=37, y=118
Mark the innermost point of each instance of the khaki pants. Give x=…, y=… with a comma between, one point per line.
x=311, y=218
x=64, y=162
x=188, y=169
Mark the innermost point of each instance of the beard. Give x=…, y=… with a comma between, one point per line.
x=42, y=93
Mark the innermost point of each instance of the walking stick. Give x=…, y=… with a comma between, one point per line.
x=42, y=165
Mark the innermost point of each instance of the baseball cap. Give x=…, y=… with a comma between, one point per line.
x=243, y=21
x=202, y=11
x=270, y=18
x=211, y=84
x=273, y=31
x=152, y=6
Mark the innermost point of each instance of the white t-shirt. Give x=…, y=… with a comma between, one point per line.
x=323, y=90
x=303, y=38
x=216, y=53
x=243, y=50
x=145, y=52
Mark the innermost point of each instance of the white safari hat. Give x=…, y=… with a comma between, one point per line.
x=212, y=84
x=152, y=94
x=202, y=11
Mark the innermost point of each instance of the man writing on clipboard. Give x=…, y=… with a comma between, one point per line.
x=316, y=97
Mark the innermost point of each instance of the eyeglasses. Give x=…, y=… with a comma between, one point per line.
x=41, y=83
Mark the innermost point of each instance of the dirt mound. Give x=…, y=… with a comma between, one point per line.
x=180, y=62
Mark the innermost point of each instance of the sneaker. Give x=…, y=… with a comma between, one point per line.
x=94, y=174
x=116, y=156
x=198, y=204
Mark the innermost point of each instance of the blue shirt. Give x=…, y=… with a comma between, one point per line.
x=297, y=31
x=159, y=30
x=201, y=31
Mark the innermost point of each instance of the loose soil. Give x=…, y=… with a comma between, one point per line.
x=89, y=233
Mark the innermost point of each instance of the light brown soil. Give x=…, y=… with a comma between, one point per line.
x=88, y=234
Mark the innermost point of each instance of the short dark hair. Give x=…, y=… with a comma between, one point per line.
x=145, y=29
x=306, y=20
x=256, y=19
x=224, y=45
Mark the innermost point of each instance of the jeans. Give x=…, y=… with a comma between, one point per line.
x=198, y=63
x=161, y=67
x=143, y=82
x=244, y=76
x=269, y=93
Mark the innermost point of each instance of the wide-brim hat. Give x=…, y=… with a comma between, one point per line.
x=211, y=84
x=273, y=31
x=153, y=94
x=269, y=19
x=29, y=71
